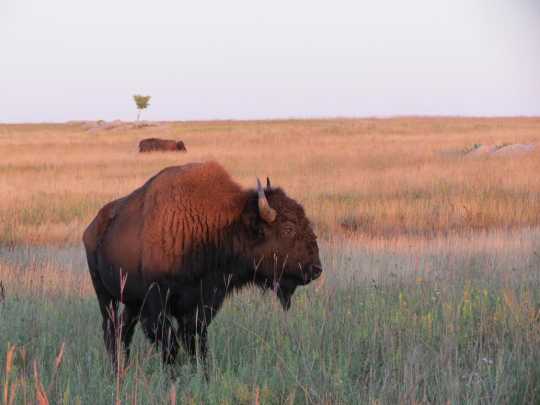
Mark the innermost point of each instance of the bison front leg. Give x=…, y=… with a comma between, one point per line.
x=160, y=331
x=195, y=342
x=194, y=335
x=157, y=325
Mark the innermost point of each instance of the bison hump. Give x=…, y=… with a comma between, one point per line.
x=186, y=208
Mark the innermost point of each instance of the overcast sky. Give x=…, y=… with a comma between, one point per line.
x=67, y=59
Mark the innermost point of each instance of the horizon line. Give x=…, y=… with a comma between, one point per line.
x=292, y=118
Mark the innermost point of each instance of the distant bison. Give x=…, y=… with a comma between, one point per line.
x=178, y=245
x=155, y=144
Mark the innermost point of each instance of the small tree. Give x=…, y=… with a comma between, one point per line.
x=142, y=103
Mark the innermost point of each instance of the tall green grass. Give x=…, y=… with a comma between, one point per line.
x=381, y=328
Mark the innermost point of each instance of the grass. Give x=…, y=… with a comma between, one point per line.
x=373, y=177
x=425, y=326
x=431, y=292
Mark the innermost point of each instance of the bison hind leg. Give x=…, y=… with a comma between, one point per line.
x=108, y=306
x=115, y=328
x=130, y=316
x=109, y=313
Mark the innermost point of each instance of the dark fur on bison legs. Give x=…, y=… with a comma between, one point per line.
x=111, y=325
x=194, y=336
x=157, y=324
x=128, y=321
x=109, y=312
x=114, y=327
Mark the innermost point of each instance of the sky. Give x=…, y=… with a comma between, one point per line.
x=66, y=60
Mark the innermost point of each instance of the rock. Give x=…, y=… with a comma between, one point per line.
x=482, y=150
x=515, y=150
x=96, y=126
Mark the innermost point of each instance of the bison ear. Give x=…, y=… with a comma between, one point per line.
x=268, y=185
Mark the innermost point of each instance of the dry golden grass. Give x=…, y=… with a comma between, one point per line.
x=431, y=285
x=45, y=280
x=370, y=178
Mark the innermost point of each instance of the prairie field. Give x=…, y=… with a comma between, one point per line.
x=431, y=289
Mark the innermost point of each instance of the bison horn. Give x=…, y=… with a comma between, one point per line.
x=265, y=211
x=268, y=185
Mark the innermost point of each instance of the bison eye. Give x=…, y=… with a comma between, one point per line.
x=288, y=230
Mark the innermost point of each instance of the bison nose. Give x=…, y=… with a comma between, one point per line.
x=316, y=271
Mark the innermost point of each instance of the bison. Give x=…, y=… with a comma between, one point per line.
x=155, y=144
x=177, y=246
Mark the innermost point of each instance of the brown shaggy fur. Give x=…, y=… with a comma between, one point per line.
x=181, y=242
x=181, y=215
x=156, y=144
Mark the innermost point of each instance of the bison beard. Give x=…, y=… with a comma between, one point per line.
x=177, y=246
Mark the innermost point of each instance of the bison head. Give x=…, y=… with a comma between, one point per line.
x=285, y=249
x=181, y=146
